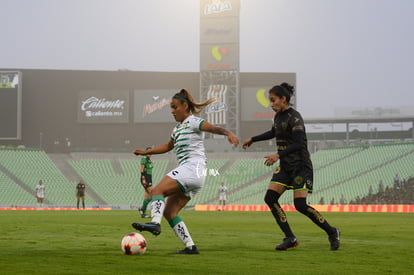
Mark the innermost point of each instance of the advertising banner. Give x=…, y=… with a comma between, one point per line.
x=223, y=30
x=153, y=105
x=219, y=8
x=10, y=105
x=103, y=106
x=370, y=208
x=219, y=34
x=219, y=56
x=255, y=104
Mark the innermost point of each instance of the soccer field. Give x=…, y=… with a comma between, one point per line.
x=88, y=242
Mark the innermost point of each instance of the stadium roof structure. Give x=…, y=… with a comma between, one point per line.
x=359, y=120
x=349, y=133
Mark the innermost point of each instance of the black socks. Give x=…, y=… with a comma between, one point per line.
x=271, y=199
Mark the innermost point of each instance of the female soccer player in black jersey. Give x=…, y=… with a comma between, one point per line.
x=295, y=171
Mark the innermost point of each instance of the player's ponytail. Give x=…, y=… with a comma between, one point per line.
x=193, y=106
x=284, y=89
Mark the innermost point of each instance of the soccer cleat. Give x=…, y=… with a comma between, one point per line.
x=188, y=250
x=288, y=242
x=334, y=239
x=154, y=228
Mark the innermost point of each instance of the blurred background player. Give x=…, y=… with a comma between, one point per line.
x=80, y=193
x=295, y=170
x=146, y=181
x=181, y=183
x=222, y=196
x=40, y=193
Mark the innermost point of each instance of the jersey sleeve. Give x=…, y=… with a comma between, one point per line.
x=266, y=135
x=195, y=124
x=297, y=123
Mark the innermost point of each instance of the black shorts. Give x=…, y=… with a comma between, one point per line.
x=148, y=181
x=301, y=179
x=81, y=194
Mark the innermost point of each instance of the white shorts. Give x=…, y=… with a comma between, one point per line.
x=190, y=177
x=223, y=197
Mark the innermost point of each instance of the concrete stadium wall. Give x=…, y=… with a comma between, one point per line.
x=50, y=118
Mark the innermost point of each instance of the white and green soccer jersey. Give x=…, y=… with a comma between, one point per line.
x=188, y=140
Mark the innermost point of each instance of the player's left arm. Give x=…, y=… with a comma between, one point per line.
x=208, y=127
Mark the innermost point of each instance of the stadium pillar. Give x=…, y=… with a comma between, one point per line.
x=347, y=133
x=219, y=61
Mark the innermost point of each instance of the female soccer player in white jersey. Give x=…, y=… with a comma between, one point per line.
x=40, y=191
x=181, y=183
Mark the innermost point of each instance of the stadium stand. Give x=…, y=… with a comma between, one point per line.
x=30, y=166
x=209, y=192
x=351, y=172
x=237, y=174
x=328, y=156
x=114, y=188
x=352, y=176
x=398, y=193
x=12, y=194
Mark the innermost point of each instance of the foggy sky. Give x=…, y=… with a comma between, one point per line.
x=346, y=53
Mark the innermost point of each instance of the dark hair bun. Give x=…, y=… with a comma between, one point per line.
x=288, y=87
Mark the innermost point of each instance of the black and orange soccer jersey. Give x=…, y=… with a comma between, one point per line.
x=292, y=144
x=80, y=187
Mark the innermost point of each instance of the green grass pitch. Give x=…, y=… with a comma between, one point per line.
x=88, y=242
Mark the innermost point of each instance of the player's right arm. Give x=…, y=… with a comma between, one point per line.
x=164, y=148
x=265, y=136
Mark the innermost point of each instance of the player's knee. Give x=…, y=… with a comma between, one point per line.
x=271, y=198
x=154, y=192
x=301, y=205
